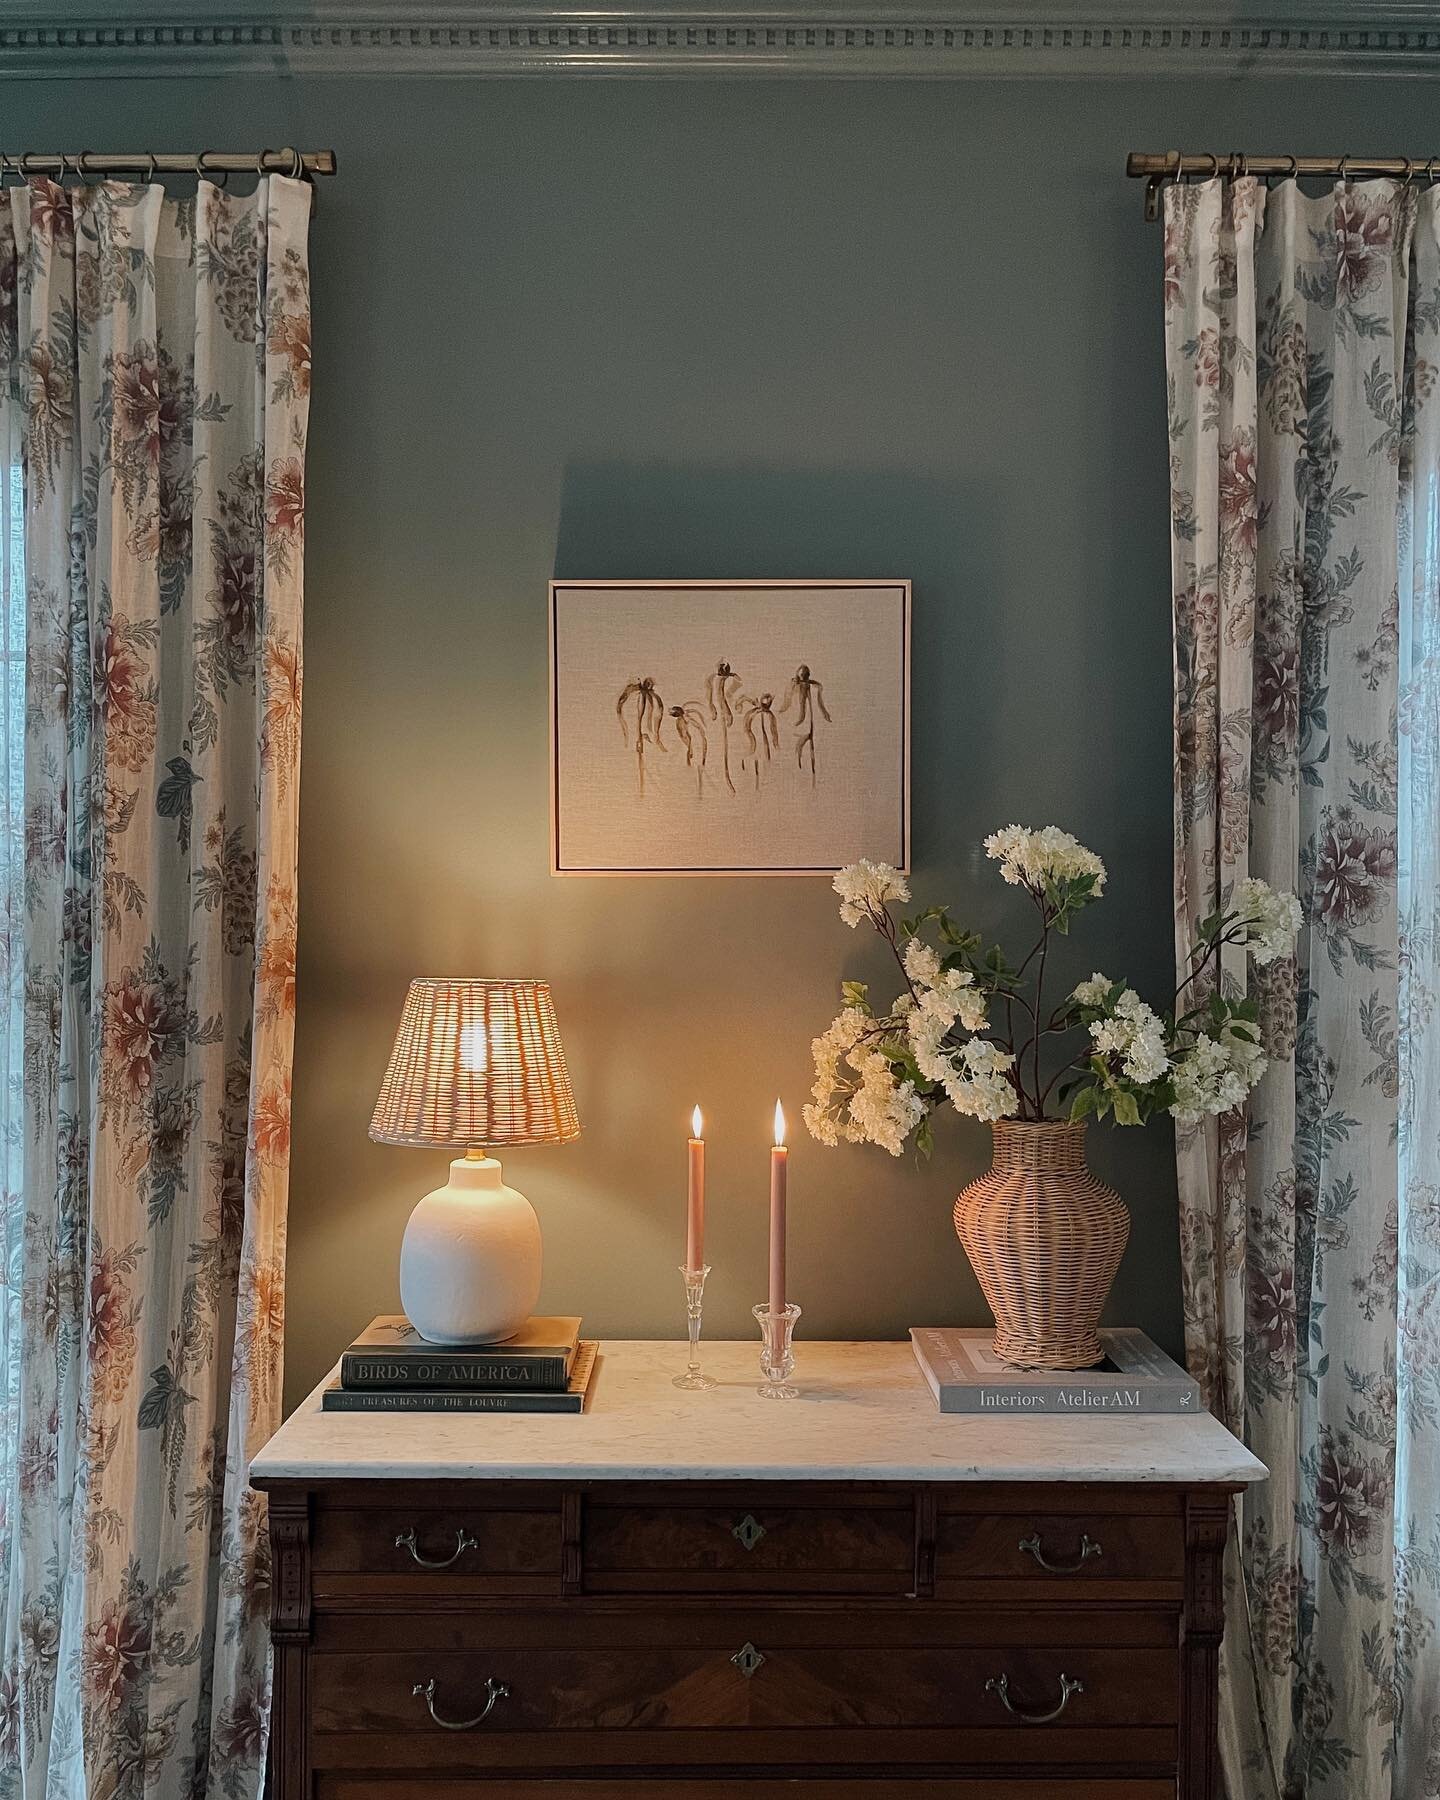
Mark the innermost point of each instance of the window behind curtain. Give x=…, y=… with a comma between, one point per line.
x=12, y=968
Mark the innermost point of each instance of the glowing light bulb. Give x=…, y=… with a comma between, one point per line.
x=474, y=1049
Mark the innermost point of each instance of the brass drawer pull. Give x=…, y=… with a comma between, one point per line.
x=405, y=1540
x=495, y=1691
x=1000, y=1684
x=1088, y=1547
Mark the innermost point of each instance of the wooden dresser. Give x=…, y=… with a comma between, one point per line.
x=693, y=1596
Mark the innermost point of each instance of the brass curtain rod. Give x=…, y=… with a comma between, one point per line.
x=86, y=164
x=1155, y=168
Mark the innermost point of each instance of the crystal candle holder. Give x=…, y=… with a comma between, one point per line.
x=694, y=1280
x=777, y=1358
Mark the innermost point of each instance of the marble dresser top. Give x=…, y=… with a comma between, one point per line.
x=864, y=1413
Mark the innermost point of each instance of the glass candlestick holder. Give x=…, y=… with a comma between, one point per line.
x=694, y=1280
x=777, y=1358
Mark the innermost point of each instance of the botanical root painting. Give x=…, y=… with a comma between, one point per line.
x=729, y=728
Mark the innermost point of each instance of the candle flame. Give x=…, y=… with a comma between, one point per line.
x=779, y=1124
x=697, y=1124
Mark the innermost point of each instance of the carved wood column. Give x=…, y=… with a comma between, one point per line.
x=289, y=1763
x=1207, y=1525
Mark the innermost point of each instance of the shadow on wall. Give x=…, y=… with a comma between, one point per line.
x=657, y=522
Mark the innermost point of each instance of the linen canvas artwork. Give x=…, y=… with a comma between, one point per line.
x=705, y=728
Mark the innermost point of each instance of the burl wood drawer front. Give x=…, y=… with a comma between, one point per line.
x=1058, y=1551
x=724, y=1687
x=788, y=1787
x=448, y=1550
x=747, y=1544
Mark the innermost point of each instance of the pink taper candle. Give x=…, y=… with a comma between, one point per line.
x=695, y=1210
x=779, y=1159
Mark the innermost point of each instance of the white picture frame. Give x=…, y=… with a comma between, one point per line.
x=729, y=727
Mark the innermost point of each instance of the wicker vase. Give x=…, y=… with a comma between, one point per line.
x=1044, y=1239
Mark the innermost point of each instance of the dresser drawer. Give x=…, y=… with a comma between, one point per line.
x=724, y=1685
x=464, y=1546
x=747, y=1544
x=755, y=1787
x=1058, y=1551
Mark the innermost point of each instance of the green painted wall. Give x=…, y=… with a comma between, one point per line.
x=748, y=329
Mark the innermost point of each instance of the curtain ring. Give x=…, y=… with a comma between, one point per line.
x=22, y=166
x=1237, y=166
x=1409, y=174
x=150, y=168
x=260, y=162
x=80, y=168
x=64, y=169
x=1345, y=168
x=1430, y=173
x=202, y=170
x=1214, y=165
x=297, y=165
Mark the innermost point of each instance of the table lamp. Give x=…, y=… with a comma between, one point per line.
x=478, y=1064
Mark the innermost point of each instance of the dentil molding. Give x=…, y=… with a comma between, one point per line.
x=949, y=39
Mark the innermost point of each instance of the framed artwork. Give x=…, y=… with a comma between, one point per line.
x=728, y=727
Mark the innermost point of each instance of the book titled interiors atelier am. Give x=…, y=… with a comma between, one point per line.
x=966, y=1376
x=390, y=1353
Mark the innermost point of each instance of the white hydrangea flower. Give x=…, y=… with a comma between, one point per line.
x=1027, y=857
x=922, y=963
x=833, y=1044
x=885, y=1111
x=1093, y=991
x=1136, y=1034
x=865, y=887
x=978, y=1085
x=1271, y=919
x=1214, y=1075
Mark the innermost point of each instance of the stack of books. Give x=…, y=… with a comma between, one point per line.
x=545, y=1367
x=965, y=1376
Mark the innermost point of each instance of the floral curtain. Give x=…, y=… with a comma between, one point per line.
x=1303, y=352
x=158, y=357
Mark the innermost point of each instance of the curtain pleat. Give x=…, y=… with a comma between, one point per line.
x=160, y=374
x=1303, y=346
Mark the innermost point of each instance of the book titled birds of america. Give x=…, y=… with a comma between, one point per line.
x=965, y=1376
x=569, y=1399
x=390, y=1353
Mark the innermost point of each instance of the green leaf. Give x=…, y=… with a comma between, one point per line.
x=856, y=993
x=1127, y=1112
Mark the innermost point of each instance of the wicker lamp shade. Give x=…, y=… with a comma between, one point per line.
x=476, y=1063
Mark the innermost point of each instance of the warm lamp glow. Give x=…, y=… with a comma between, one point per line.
x=779, y=1124
x=476, y=1063
x=697, y=1124
x=474, y=1049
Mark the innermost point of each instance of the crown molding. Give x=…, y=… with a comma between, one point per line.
x=948, y=39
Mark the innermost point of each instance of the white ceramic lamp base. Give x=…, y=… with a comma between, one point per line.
x=470, y=1260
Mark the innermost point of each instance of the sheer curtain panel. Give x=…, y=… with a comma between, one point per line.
x=1303, y=352
x=154, y=416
